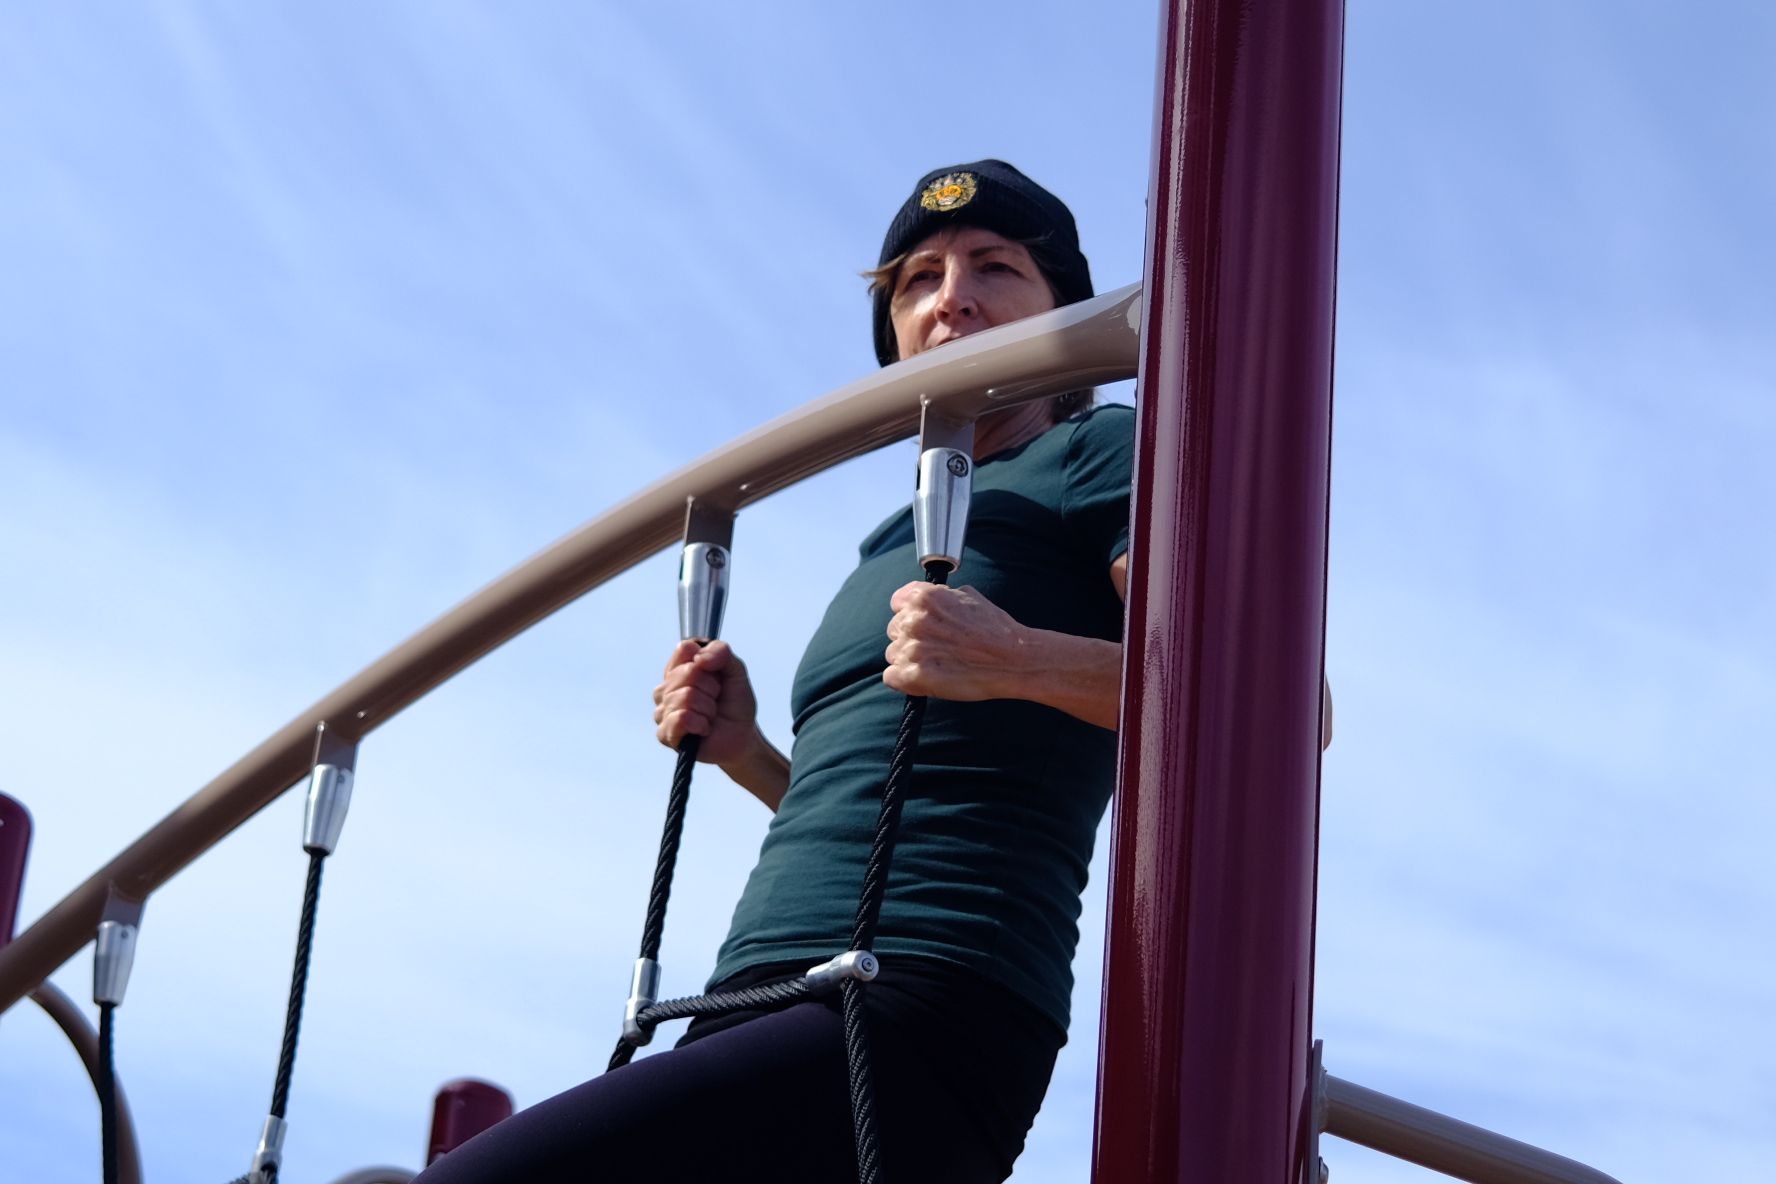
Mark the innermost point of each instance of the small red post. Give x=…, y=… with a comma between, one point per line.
x=463, y=1109
x=15, y=844
x=1207, y=1016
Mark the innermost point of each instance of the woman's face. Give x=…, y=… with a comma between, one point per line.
x=959, y=282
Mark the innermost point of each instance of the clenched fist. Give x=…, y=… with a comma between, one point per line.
x=951, y=643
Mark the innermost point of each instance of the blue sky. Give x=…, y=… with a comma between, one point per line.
x=313, y=320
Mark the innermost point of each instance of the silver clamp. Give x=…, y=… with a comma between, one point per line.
x=114, y=950
x=114, y=954
x=329, y=790
x=323, y=816
x=703, y=571
x=946, y=474
x=857, y=964
x=644, y=987
x=702, y=591
x=269, y=1156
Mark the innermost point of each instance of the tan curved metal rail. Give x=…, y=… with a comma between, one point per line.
x=1081, y=345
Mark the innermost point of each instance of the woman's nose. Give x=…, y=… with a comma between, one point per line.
x=957, y=299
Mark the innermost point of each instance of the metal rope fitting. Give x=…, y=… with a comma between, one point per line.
x=270, y=1155
x=644, y=988
x=114, y=954
x=857, y=964
x=703, y=570
x=940, y=507
x=940, y=504
x=323, y=816
x=702, y=591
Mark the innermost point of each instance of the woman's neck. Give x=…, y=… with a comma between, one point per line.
x=1005, y=430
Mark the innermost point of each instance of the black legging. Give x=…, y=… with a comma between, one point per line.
x=961, y=1066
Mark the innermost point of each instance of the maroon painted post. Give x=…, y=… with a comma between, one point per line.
x=1207, y=1014
x=463, y=1109
x=15, y=844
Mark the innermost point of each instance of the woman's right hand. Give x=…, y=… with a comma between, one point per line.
x=706, y=692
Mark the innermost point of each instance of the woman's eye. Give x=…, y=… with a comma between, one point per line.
x=918, y=277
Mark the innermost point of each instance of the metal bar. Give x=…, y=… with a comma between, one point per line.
x=335, y=745
x=1444, y=1144
x=706, y=523
x=122, y=908
x=1083, y=344
x=72, y=1021
x=1208, y=962
x=376, y=1176
x=939, y=429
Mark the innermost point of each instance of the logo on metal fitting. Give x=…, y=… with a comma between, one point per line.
x=715, y=558
x=958, y=465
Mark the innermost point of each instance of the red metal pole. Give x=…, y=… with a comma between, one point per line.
x=1207, y=1014
x=463, y=1109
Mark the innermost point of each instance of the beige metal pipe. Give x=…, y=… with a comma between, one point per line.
x=73, y=1023
x=1078, y=346
x=1444, y=1144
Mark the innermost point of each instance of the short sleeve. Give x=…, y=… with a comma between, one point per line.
x=1099, y=468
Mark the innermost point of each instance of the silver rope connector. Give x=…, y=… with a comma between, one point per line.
x=644, y=988
x=858, y=964
x=323, y=816
x=114, y=955
x=703, y=570
x=946, y=474
x=270, y=1155
x=702, y=590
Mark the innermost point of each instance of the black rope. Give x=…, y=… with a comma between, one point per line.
x=311, y=895
x=863, y=1083
x=900, y=769
x=723, y=1002
x=286, y=1068
x=761, y=998
x=676, y=802
x=107, y=1093
x=869, y=911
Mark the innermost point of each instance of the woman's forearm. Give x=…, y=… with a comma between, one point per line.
x=1081, y=676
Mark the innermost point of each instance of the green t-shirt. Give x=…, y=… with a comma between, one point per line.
x=1006, y=795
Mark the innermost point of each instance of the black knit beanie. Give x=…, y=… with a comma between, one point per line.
x=994, y=195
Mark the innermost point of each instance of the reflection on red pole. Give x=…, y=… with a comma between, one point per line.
x=1207, y=1013
x=463, y=1109
x=15, y=844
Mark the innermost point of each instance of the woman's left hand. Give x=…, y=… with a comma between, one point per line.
x=951, y=643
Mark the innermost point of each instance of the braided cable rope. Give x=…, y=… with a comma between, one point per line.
x=653, y=926
x=311, y=895
x=673, y=833
x=286, y=1067
x=869, y=911
x=761, y=998
x=107, y=1092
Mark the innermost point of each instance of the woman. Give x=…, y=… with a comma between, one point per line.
x=1021, y=666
